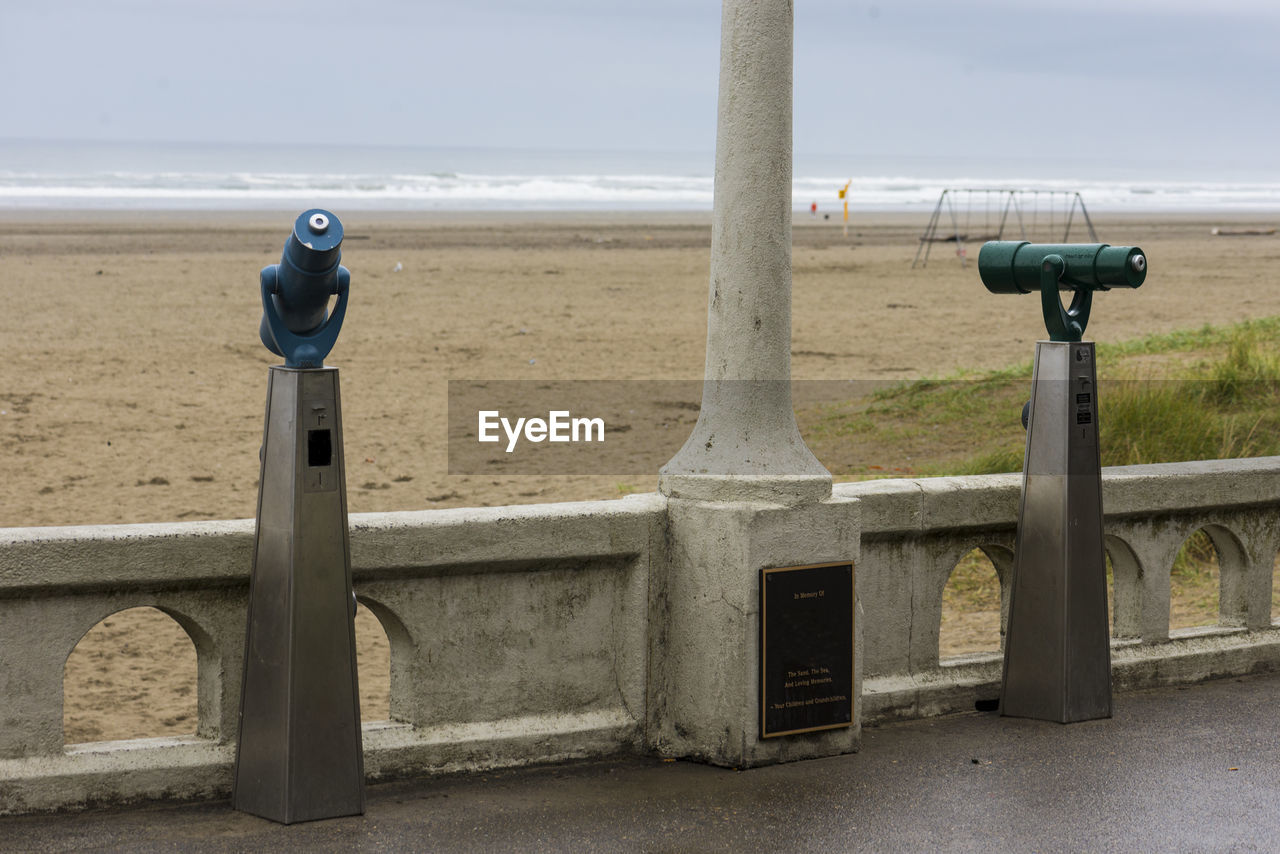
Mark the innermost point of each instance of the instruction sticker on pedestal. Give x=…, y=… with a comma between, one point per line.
x=806, y=648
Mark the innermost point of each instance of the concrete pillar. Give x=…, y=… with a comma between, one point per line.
x=744, y=493
x=745, y=445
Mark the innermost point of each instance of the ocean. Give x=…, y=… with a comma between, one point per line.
x=37, y=174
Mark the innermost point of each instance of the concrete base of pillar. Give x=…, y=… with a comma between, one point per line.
x=705, y=683
x=746, y=446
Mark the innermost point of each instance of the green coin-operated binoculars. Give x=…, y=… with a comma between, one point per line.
x=299, y=755
x=1018, y=267
x=1057, y=658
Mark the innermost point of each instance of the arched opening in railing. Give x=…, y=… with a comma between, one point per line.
x=1111, y=594
x=1275, y=589
x=1195, y=583
x=1124, y=589
x=970, y=607
x=373, y=662
x=133, y=675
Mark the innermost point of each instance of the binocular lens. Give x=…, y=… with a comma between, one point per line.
x=315, y=246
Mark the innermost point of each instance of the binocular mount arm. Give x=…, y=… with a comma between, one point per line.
x=1062, y=324
x=309, y=350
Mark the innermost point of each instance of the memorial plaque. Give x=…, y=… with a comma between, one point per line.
x=806, y=648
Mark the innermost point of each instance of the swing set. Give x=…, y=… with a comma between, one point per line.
x=997, y=204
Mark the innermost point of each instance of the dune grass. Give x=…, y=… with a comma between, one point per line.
x=1207, y=394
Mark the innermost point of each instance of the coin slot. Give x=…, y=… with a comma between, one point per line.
x=319, y=448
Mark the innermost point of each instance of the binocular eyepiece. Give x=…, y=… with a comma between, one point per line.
x=295, y=293
x=1016, y=267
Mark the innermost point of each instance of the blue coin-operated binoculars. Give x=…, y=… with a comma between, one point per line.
x=299, y=755
x=295, y=292
x=1057, y=657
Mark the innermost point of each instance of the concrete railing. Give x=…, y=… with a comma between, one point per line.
x=915, y=531
x=522, y=634
x=516, y=633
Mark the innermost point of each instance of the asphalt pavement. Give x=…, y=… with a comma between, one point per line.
x=1179, y=769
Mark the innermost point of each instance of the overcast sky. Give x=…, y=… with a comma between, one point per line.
x=1170, y=80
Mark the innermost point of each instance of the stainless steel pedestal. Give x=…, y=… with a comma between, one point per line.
x=299, y=756
x=1057, y=660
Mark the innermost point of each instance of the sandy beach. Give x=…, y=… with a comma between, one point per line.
x=132, y=379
